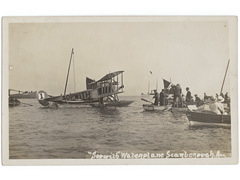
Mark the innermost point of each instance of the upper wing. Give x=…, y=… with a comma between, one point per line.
x=110, y=76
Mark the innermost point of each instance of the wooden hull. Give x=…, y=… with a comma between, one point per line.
x=13, y=103
x=181, y=110
x=113, y=104
x=29, y=95
x=200, y=118
x=151, y=107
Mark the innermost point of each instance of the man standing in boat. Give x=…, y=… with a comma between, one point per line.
x=178, y=94
x=188, y=95
x=198, y=101
x=162, y=98
x=227, y=99
x=156, y=97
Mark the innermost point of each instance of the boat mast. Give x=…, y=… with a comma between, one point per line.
x=224, y=76
x=68, y=72
x=74, y=80
x=156, y=84
x=148, y=85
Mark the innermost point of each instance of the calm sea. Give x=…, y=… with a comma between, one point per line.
x=74, y=131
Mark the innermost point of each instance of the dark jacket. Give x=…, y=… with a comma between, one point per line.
x=188, y=96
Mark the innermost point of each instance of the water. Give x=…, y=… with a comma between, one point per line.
x=71, y=132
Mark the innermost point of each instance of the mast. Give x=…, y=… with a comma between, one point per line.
x=156, y=84
x=224, y=76
x=68, y=72
x=74, y=80
x=148, y=85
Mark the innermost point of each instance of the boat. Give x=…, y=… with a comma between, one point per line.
x=179, y=110
x=152, y=107
x=12, y=102
x=208, y=118
x=23, y=94
x=122, y=103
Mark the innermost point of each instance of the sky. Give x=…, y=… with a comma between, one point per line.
x=192, y=53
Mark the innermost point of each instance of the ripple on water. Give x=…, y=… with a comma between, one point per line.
x=71, y=132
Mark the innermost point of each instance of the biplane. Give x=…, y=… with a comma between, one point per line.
x=103, y=92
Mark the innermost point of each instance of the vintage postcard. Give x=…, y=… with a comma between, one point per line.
x=119, y=90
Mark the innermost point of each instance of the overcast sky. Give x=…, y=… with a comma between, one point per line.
x=191, y=53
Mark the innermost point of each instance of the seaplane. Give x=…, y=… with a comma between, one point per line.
x=100, y=93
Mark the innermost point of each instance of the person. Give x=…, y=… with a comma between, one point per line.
x=213, y=106
x=217, y=106
x=188, y=95
x=205, y=97
x=198, y=101
x=183, y=98
x=178, y=95
x=227, y=99
x=162, y=98
x=155, y=97
x=165, y=98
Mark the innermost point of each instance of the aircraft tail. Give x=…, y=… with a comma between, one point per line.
x=41, y=96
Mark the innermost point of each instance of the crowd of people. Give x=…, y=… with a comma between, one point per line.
x=213, y=104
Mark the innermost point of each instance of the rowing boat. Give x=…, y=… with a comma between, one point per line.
x=203, y=118
x=122, y=103
x=12, y=102
x=180, y=110
x=151, y=107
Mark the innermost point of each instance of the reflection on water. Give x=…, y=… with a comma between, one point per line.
x=73, y=131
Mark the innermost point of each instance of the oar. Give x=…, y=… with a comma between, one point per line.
x=146, y=100
x=168, y=108
x=26, y=104
x=165, y=109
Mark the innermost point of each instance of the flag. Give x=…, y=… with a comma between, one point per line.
x=166, y=83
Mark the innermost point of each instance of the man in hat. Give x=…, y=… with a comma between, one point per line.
x=205, y=97
x=162, y=98
x=188, y=95
x=198, y=101
x=227, y=99
x=156, y=97
x=178, y=94
x=213, y=105
x=216, y=105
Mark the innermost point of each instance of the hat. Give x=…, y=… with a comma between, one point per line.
x=187, y=88
x=195, y=95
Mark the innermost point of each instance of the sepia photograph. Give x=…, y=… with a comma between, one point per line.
x=119, y=90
